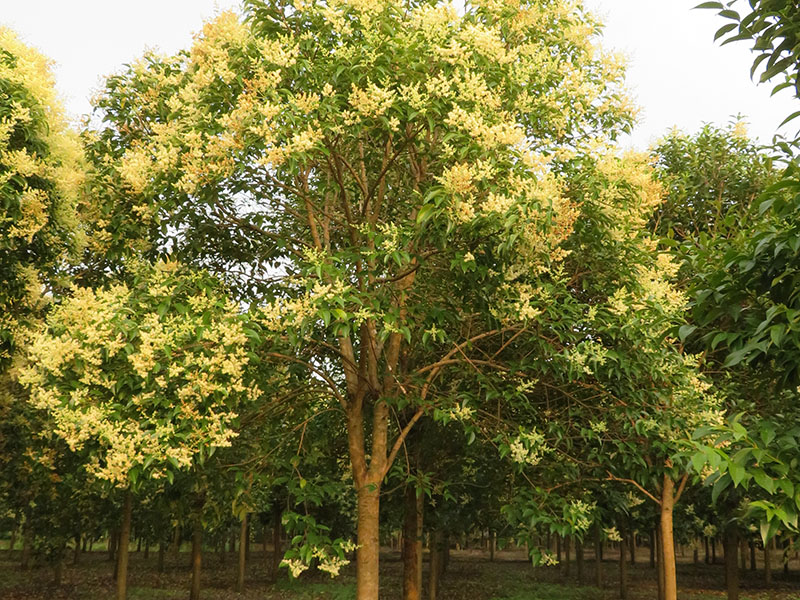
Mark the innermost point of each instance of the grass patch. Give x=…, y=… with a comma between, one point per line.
x=550, y=591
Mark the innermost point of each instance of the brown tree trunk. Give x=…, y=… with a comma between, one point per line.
x=708, y=550
x=731, y=549
x=147, y=549
x=767, y=564
x=277, y=551
x=58, y=568
x=435, y=569
x=26, y=547
x=12, y=540
x=492, y=544
x=752, y=555
x=713, y=551
x=76, y=552
x=632, y=545
x=197, y=559
x=412, y=544
x=368, y=552
x=122, y=551
x=598, y=557
x=659, y=561
x=742, y=555
x=653, y=549
x=176, y=542
x=667, y=540
x=579, y=558
x=623, y=568
x=566, y=555
x=162, y=547
x=558, y=549
x=242, y=554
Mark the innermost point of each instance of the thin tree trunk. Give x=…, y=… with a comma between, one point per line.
x=713, y=550
x=77, y=550
x=579, y=558
x=742, y=555
x=786, y=556
x=176, y=542
x=435, y=569
x=412, y=544
x=12, y=541
x=731, y=542
x=58, y=568
x=653, y=549
x=26, y=547
x=598, y=557
x=277, y=551
x=623, y=568
x=667, y=540
x=122, y=551
x=558, y=549
x=752, y=555
x=242, y=554
x=708, y=550
x=197, y=559
x=162, y=547
x=767, y=564
x=492, y=544
x=566, y=555
x=632, y=538
x=147, y=549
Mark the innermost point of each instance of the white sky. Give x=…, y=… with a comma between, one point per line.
x=678, y=75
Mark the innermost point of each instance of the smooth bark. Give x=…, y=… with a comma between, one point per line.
x=623, y=568
x=122, y=551
x=242, y=555
x=412, y=544
x=667, y=539
x=731, y=548
x=197, y=560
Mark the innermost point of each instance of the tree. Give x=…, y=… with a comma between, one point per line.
x=349, y=165
x=142, y=381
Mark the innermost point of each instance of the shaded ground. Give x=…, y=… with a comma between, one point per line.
x=470, y=576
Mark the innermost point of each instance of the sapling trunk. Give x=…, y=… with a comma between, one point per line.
x=122, y=551
x=242, y=554
x=197, y=559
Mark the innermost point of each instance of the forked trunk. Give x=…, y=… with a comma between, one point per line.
x=667, y=540
x=368, y=552
x=122, y=549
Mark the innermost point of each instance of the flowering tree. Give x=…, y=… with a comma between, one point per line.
x=374, y=175
x=142, y=380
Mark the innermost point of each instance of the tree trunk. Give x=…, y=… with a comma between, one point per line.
x=713, y=551
x=12, y=541
x=558, y=549
x=58, y=569
x=579, y=558
x=659, y=561
x=435, y=569
x=566, y=555
x=26, y=547
x=667, y=540
x=598, y=557
x=708, y=550
x=653, y=549
x=162, y=547
x=122, y=551
x=742, y=555
x=247, y=541
x=147, y=549
x=197, y=559
x=176, y=542
x=786, y=556
x=492, y=544
x=752, y=555
x=767, y=565
x=277, y=551
x=731, y=548
x=77, y=550
x=242, y=554
x=632, y=538
x=412, y=544
x=623, y=568
x=368, y=552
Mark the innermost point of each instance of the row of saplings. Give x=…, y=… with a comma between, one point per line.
x=265, y=530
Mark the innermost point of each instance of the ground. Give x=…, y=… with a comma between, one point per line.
x=470, y=576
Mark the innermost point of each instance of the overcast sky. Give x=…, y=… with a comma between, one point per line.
x=678, y=75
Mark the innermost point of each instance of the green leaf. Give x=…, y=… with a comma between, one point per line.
x=685, y=331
